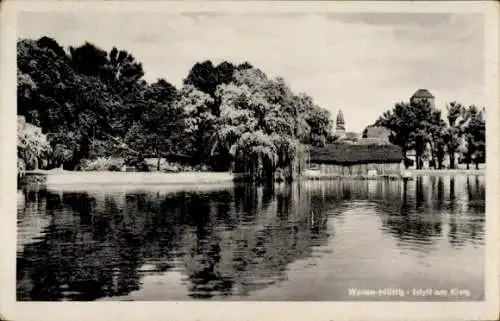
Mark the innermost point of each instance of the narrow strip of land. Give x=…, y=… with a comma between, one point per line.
x=438, y=172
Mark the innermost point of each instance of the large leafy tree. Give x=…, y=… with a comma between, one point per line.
x=43, y=73
x=261, y=122
x=198, y=122
x=401, y=122
x=156, y=132
x=90, y=60
x=125, y=70
x=118, y=78
x=437, y=131
x=314, y=123
x=79, y=97
x=206, y=77
x=475, y=136
x=412, y=126
x=454, y=133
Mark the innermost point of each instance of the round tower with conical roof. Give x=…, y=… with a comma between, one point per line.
x=422, y=95
x=340, y=123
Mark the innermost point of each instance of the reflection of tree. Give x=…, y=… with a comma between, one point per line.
x=201, y=247
x=202, y=263
x=77, y=261
x=225, y=242
x=417, y=218
x=63, y=264
x=407, y=219
x=467, y=225
x=419, y=192
x=440, y=193
x=32, y=216
x=476, y=194
x=452, y=189
x=276, y=230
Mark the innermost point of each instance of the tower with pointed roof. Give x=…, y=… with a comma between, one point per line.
x=340, y=123
x=422, y=95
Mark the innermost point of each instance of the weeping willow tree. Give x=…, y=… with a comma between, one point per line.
x=263, y=126
x=256, y=155
x=292, y=155
x=268, y=158
x=32, y=146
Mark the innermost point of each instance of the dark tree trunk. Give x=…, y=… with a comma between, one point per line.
x=452, y=160
x=200, y=147
x=417, y=159
x=419, y=150
x=440, y=163
x=158, y=160
x=440, y=158
x=405, y=162
x=433, y=162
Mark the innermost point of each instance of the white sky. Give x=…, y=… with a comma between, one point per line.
x=361, y=63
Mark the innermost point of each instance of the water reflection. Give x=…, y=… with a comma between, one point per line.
x=238, y=241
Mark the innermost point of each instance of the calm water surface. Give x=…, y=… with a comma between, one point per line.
x=308, y=241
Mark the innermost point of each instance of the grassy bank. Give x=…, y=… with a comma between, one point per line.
x=141, y=178
x=98, y=190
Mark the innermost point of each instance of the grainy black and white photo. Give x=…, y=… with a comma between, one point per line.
x=244, y=156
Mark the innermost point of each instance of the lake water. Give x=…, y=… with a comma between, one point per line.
x=317, y=240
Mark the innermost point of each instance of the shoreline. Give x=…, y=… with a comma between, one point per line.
x=439, y=172
x=104, y=178
x=107, y=178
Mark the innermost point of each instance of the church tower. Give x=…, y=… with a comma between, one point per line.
x=340, y=123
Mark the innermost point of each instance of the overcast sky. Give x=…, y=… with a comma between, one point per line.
x=361, y=63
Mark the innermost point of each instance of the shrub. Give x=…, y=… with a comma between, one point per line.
x=152, y=164
x=170, y=168
x=201, y=168
x=21, y=166
x=409, y=162
x=32, y=144
x=103, y=164
x=138, y=162
x=142, y=166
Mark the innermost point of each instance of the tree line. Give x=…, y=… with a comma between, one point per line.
x=92, y=103
x=86, y=103
x=420, y=127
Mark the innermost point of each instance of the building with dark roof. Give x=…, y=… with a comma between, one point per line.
x=356, y=160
